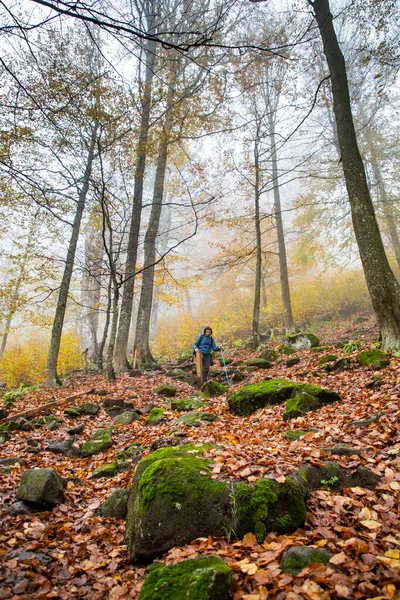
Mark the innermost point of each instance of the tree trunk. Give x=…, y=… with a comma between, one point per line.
x=255, y=327
x=51, y=367
x=382, y=284
x=110, y=373
x=283, y=269
x=106, y=326
x=142, y=334
x=91, y=292
x=121, y=344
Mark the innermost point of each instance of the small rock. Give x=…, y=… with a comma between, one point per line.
x=116, y=505
x=298, y=557
x=166, y=390
x=126, y=418
x=76, y=430
x=20, y=508
x=135, y=373
x=41, y=486
x=294, y=360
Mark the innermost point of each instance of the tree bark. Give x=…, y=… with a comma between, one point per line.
x=91, y=292
x=255, y=326
x=283, y=268
x=121, y=344
x=382, y=285
x=51, y=367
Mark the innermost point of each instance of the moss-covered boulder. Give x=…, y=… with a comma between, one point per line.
x=185, y=356
x=166, y=390
x=297, y=558
x=333, y=477
x=303, y=401
x=127, y=417
x=72, y=413
x=172, y=501
x=178, y=374
x=292, y=361
x=368, y=357
x=45, y=420
x=100, y=440
x=200, y=578
x=250, y=398
x=213, y=388
x=187, y=404
x=269, y=355
x=116, y=505
x=260, y=363
x=156, y=416
x=285, y=350
x=301, y=341
x=42, y=487
x=378, y=365
x=107, y=470
x=173, y=487
x=195, y=419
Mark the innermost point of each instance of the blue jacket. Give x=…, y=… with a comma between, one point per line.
x=207, y=344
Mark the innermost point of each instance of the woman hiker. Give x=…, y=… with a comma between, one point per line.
x=204, y=344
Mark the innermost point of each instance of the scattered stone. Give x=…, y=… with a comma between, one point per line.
x=100, y=440
x=179, y=374
x=110, y=469
x=156, y=416
x=135, y=373
x=327, y=359
x=148, y=408
x=114, y=406
x=3, y=414
x=20, y=508
x=331, y=475
x=200, y=578
x=46, y=420
x=53, y=426
x=76, y=430
x=250, y=369
x=32, y=446
x=237, y=375
x=72, y=413
x=294, y=560
x=88, y=408
x=269, y=355
x=166, y=390
x=102, y=392
x=126, y=418
x=344, y=450
x=130, y=453
x=374, y=383
x=65, y=447
x=24, y=424
x=343, y=364
x=374, y=419
x=195, y=419
x=213, y=388
x=250, y=398
x=116, y=505
x=285, y=350
x=187, y=404
x=4, y=436
x=301, y=341
x=11, y=461
x=378, y=365
x=174, y=440
x=291, y=362
x=260, y=363
x=43, y=487
x=295, y=434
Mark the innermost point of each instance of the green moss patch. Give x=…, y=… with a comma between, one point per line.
x=367, y=357
x=327, y=358
x=156, y=416
x=201, y=578
x=269, y=354
x=298, y=557
x=195, y=419
x=100, y=440
x=250, y=398
x=260, y=363
x=213, y=388
x=126, y=418
x=187, y=404
x=294, y=434
x=88, y=408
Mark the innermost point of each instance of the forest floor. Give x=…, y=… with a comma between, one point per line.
x=72, y=552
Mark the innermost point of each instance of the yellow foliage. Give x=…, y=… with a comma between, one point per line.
x=26, y=363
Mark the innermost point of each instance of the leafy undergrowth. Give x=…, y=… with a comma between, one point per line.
x=71, y=552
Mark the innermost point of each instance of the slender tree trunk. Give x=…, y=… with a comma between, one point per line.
x=91, y=292
x=387, y=209
x=142, y=334
x=51, y=368
x=110, y=373
x=121, y=344
x=255, y=327
x=382, y=285
x=283, y=268
x=106, y=326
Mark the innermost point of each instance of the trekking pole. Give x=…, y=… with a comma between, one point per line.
x=225, y=369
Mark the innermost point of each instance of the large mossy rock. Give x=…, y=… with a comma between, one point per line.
x=260, y=363
x=250, y=398
x=269, y=355
x=213, y=388
x=187, y=404
x=127, y=417
x=367, y=357
x=173, y=500
x=303, y=401
x=297, y=558
x=301, y=341
x=156, y=416
x=42, y=487
x=200, y=578
x=100, y=440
